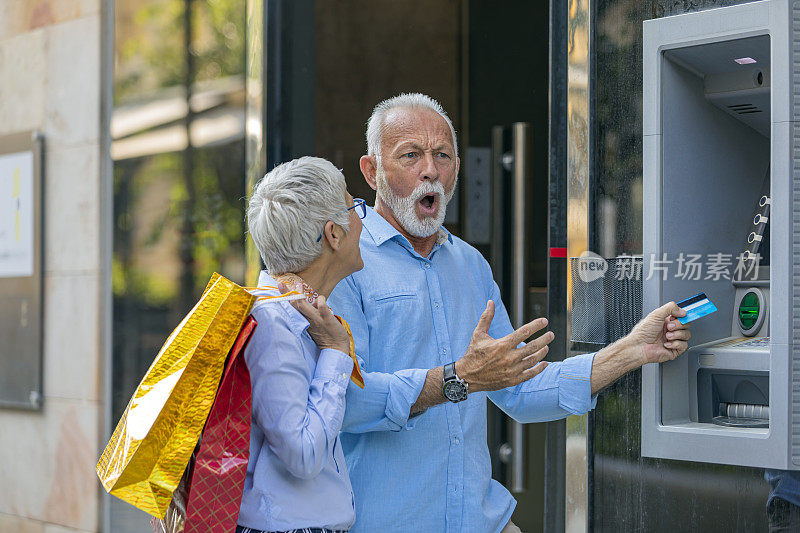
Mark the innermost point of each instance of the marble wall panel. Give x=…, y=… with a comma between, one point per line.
x=22, y=16
x=48, y=464
x=72, y=361
x=72, y=109
x=22, y=87
x=72, y=217
x=20, y=525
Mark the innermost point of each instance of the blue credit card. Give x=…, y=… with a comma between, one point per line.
x=696, y=307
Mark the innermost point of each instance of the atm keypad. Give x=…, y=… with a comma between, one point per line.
x=758, y=342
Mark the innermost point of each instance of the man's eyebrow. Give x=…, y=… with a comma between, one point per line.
x=416, y=146
x=410, y=144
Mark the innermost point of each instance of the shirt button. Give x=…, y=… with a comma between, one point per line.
x=427, y=265
x=436, y=305
x=444, y=351
x=456, y=441
x=344, y=376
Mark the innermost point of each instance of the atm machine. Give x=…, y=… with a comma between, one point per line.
x=721, y=163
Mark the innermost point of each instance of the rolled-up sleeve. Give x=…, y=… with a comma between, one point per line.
x=384, y=404
x=300, y=414
x=562, y=389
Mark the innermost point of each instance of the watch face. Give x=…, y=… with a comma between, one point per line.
x=455, y=391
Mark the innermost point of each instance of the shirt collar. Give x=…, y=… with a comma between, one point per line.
x=381, y=231
x=265, y=279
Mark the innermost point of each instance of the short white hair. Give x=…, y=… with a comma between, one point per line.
x=289, y=208
x=376, y=122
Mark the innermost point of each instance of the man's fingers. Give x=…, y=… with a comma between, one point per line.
x=536, y=344
x=674, y=325
x=679, y=335
x=535, y=357
x=680, y=346
x=668, y=309
x=531, y=365
x=534, y=370
x=486, y=318
x=525, y=331
x=671, y=308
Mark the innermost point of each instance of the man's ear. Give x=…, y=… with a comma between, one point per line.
x=458, y=164
x=333, y=234
x=369, y=167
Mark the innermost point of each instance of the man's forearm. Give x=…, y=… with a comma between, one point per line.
x=431, y=391
x=614, y=361
x=610, y=363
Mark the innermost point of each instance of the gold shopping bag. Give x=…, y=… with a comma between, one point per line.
x=153, y=442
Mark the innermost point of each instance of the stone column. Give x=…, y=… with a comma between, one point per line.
x=50, y=81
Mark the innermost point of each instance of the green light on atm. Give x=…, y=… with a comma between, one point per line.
x=748, y=311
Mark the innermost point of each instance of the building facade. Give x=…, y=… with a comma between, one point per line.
x=158, y=115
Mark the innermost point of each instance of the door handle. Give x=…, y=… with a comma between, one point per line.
x=510, y=171
x=520, y=163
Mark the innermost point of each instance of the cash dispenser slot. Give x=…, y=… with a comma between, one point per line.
x=733, y=399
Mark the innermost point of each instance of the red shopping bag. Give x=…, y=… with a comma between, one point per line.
x=217, y=482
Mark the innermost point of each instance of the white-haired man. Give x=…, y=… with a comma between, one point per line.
x=415, y=437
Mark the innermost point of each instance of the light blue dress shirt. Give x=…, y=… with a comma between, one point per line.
x=431, y=472
x=296, y=473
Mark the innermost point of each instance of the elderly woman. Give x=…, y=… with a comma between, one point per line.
x=306, y=227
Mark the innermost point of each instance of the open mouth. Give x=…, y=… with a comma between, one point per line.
x=429, y=204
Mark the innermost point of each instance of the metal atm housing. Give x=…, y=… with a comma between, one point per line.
x=719, y=137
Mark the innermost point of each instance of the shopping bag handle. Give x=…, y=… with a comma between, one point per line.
x=285, y=297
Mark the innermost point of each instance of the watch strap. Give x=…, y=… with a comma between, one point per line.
x=449, y=371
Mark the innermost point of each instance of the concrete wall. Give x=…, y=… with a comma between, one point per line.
x=50, y=80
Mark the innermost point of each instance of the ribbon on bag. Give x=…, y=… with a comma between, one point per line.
x=355, y=375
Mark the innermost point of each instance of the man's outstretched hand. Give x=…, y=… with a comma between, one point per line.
x=492, y=364
x=660, y=335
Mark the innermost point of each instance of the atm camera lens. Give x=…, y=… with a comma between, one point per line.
x=759, y=78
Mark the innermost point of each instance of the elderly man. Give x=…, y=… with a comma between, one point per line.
x=415, y=437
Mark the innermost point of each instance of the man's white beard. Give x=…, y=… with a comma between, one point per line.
x=404, y=208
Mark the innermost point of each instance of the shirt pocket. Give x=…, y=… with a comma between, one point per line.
x=398, y=319
x=394, y=296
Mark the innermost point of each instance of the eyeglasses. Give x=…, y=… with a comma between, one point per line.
x=361, y=210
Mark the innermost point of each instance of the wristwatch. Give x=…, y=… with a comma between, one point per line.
x=454, y=388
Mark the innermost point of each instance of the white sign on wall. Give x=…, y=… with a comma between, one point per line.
x=16, y=215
